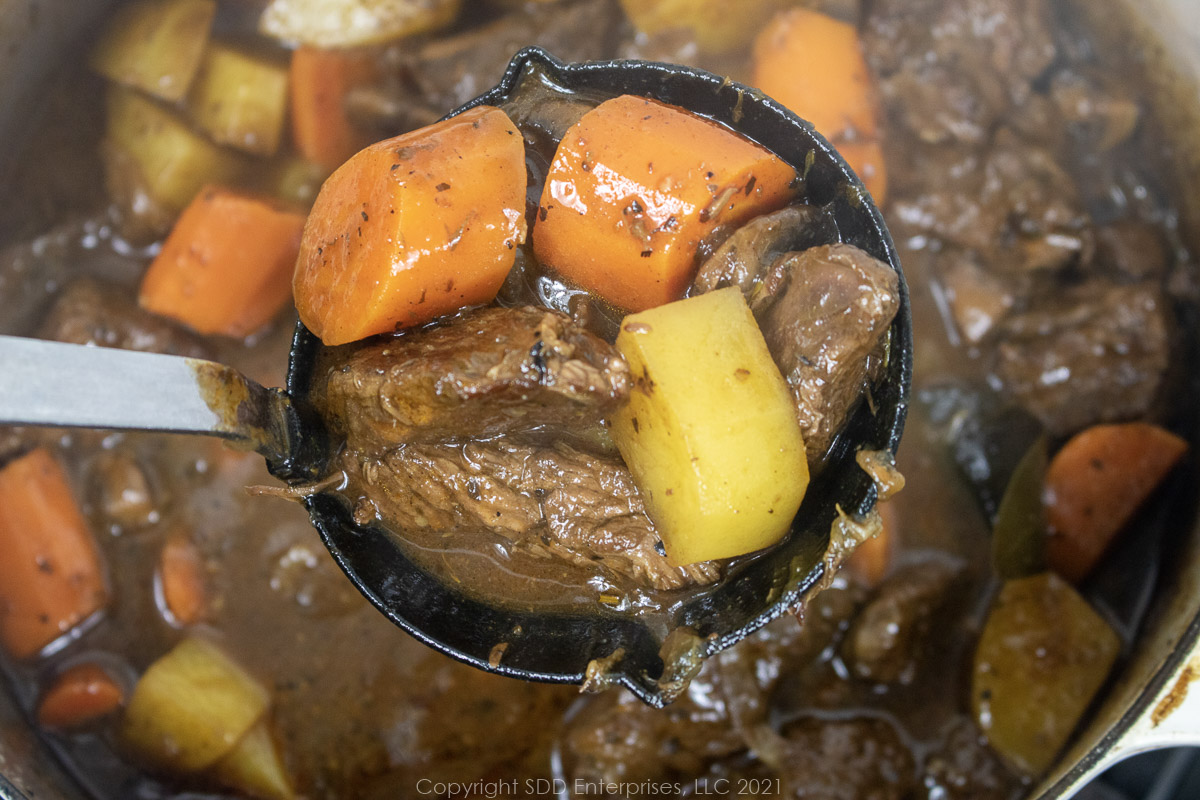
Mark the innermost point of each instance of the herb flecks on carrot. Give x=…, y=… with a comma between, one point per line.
x=51, y=578
x=634, y=188
x=1096, y=483
x=414, y=227
x=226, y=267
x=814, y=65
x=319, y=82
x=82, y=694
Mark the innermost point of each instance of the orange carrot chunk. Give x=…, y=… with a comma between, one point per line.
x=1094, y=485
x=866, y=159
x=226, y=267
x=82, y=694
x=872, y=559
x=814, y=65
x=414, y=227
x=51, y=577
x=319, y=81
x=634, y=188
x=182, y=581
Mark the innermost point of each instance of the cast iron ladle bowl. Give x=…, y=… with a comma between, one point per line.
x=56, y=384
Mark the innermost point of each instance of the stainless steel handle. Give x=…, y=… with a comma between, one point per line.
x=68, y=385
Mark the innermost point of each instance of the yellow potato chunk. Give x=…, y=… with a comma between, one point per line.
x=1042, y=656
x=155, y=45
x=191, y=708
x=255, y=767
x=240, y=99
x=709, y=431
x=714, y=24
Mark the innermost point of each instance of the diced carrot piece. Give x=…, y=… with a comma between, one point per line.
x=866, y=159
x=226, y=267
x=414, y=227
x=872, y=559
x=634, y=188
x=813, y=64
x=182, y=581
x=51, y=578
x=82, y=694
x=320, y=79
x=1094, y=485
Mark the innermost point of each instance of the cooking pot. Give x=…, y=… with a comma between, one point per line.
x=1151, y=704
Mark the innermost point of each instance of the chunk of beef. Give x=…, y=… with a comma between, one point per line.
x=983, y=55
x=778, y=665
x=1133, y=250
x=90, y=312
x=483, y=372
x=831, y=314
x=885, y=643
x=13, y=441
x=939, y=104
x=978, y=299
x=1097, y=353
x=450, y=70
x=617, y=738
x=33, y=272
x=963, y=767
x=847, y=759
x=554, y=501
x=744, y=259
x=1015, y=206
x=1098, y=115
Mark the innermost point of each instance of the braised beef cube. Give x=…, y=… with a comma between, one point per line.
x=847, y=759
x=33, y=272
x=89, y=312
x=123, y=491
x=1098, y=115
x=963, y=767
x=825, y=331
x=617, y=738
x=1133, y=249
x=13, y=442
x=978, y=299
x=1002, y=58
x=1039, y=205
x=744, y=259
x=1097, y=353
x=554, y=501
x=940, y=104
x=478, y=374
x=1014, y=205
x=450, y=70
x=886, y=641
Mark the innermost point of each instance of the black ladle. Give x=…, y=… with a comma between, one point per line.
x=548, y=646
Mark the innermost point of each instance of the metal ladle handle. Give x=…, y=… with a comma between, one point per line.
x=69, y=385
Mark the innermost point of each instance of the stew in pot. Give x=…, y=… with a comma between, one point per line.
x=170, y=634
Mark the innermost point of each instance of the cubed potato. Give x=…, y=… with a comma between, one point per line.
x=240, y=99
x=1041, y=658
x=337, y=23
x=714, y=24
x=173, y=162
x=709, y=432
x=191, y=707
x=254, y=767
x=155, y=45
